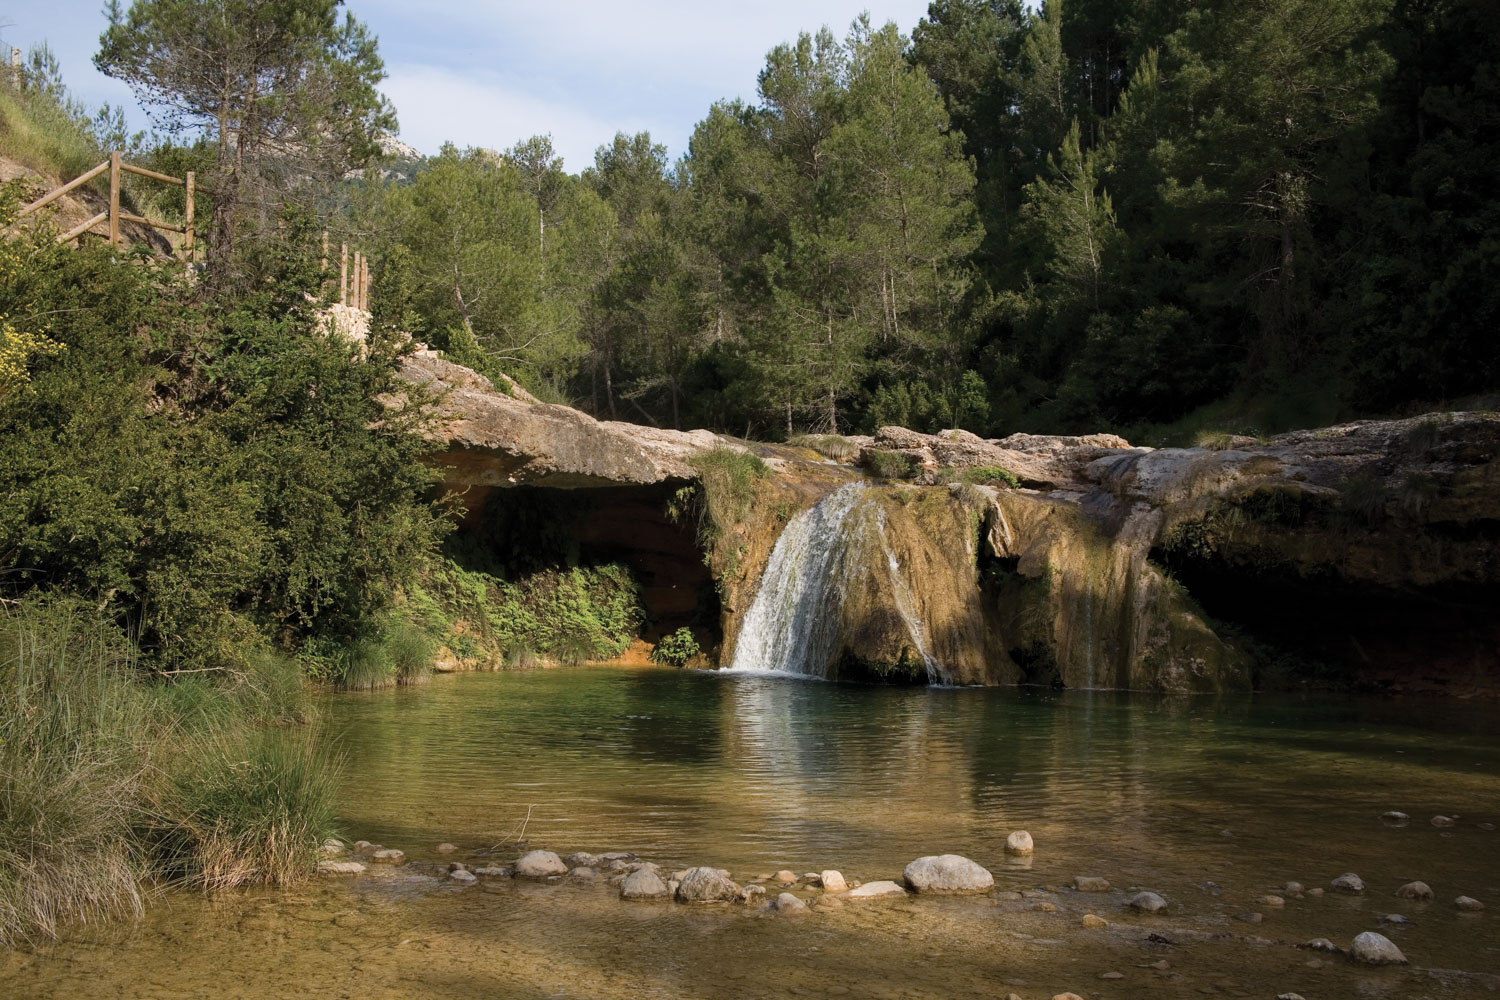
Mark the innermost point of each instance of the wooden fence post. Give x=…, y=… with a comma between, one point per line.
x=114, y=199
x=15, y=67
x=366, y=296
x=343, y=274
x=323, y=268
x=187, y=229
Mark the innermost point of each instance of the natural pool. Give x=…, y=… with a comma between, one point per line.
x=1213, y=803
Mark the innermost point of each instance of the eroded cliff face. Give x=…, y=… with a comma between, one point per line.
x=1361, y=555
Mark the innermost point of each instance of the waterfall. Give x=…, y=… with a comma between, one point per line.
x=793, y=624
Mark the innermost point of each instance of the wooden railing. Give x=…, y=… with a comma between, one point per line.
x=354, y=284
x=114, y=215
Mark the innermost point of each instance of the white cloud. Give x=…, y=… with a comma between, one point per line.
x=480, y=109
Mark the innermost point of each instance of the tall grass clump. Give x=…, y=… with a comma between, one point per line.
x=243, y=806
x=364, y=665
x=728, y=483
x=412, y=651
x=831, y=446
x=73, y=764
x=889, y=464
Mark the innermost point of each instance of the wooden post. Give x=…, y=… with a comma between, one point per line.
x=354, y=279
x=323, y=268
x=343, y=274
x=366, y=296
x=15, y=67
x=187, y=229
x=114, y=199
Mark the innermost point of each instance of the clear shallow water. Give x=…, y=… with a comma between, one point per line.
x=1214, y=803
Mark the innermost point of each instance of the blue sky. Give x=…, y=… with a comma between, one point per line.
x=490, y=74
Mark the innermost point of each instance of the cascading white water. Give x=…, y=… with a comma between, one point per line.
x=793, y=623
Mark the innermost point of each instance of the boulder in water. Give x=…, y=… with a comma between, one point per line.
x=1349, y=882
x=463, y=877
x=1019, y=842
x=833, y=881
x=643, y=884
x=706, y=885
x=388, y=856
x=1468, y=904
x=340, y=868
x=540, y=864
x=1146, y=902
x=787, y=903
x=875, y=890
x=1376, y=949
x=947, y=873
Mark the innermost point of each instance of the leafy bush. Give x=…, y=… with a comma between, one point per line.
x=985, y=475
x=889, y=464
x=676, y=649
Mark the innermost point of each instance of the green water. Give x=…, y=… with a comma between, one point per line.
x=1213, y=803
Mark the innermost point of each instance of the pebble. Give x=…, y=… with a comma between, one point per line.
x=1376, y=949
x=1395, y=818
x=947, y=873
x=462, y=876
x=1111, y=975
x=340, y=868
x=1468, y=904
x=784, y=877
x=1088, y=883
x=787, y=903
x=833, y=881
x=1395, y=919
x=1271, y=901
x=1019, y=842
x=584, y=874
x=1443, y=821
x=1094, y=922
x=581, y=859
x=1147, y=902
x=1319, y=944
x=1415, y=890
x=1315, y=893
x=1487, y=827
x=1044, y=907
x=446, y=848
x=388, y=856
x=1348, y=882
x=1292, y=888
x=1251, y=918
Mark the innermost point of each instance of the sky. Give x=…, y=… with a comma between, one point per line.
x=492, y=74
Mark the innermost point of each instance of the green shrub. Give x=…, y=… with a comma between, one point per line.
x=889, y=464
x=985, y=475
x=676, y=649
x=364, y=665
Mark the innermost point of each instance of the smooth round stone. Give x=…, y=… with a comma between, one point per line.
x=584, y=874
x=1094, y=922
x=1112, y=975
x=1376, y=949
x=812, y=878
x=1319, y=944
x=1147, y=902
x=463, y=877
x=752, y=893
x=1443, y=821
x=1089, y=883
x=1395, y=818
x=785, y=877
x=644, y=884
x=787, y=903
x=1348, y=882
x=1468, y=904
x=581, y=859
x=1019, y=842
x=1487, y=827
x=446, y=848
x=363, y=847
x=1044, y=907
x=340, y=868
x=388, y=856
x=1420, y=891
x=833, y=881
x=1292, y=888
x=1315, y=893
x=947, y=873
x=1395, y=920
x=540, y=864
x=1272, y=901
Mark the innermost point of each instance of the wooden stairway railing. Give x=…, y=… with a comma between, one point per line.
x=114, y=215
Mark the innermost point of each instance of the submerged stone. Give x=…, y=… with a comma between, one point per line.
x=1088, y=883
x=833, y=881
x=947, y=873
x=388, y=856
x=463, y=877
x=340, y=868
x=875, y=890
x=1468, y=904
x=1420, y=891
x=787, y=903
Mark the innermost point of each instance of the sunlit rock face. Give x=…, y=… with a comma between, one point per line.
x=1364, y=555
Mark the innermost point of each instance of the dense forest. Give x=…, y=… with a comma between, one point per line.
x=1095, y=215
